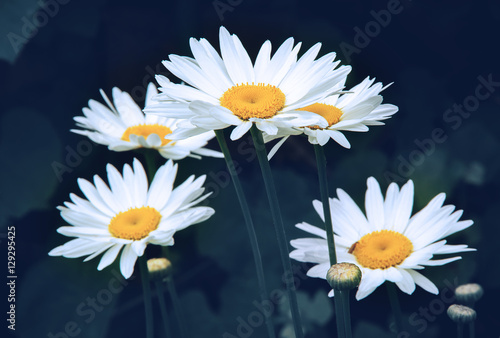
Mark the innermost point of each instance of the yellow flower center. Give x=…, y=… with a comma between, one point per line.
x=331, y=113
x=135, y=223
x=247, y=101
x=146, y=130
x=382, y=249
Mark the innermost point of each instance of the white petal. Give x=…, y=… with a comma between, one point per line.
x=276, y=147
x=262, y=60
x=374, y=204
x=391, y=198
x=139, y=246
x=393, y=274
x=224, y=115
x=140, y=182
x=240, y=130
x=338, y=137
x=370, y=280
x=423, y=282
x=353, y=213
x=238, y=63
x=403, y=207
x=111, y=199
x=117, y=185
x=319, y=271
x=109, y=257
x=267, y=127
x=93, y=196
x=438, y=262
x=162, y=185
x=77, y=248
x=207, y=123
x=127, y=261
x=407, y=285
x=153, y=141
x=189, y=217
x=318, y=206
x=151, y=92
x=84, y=232
x=312, y=229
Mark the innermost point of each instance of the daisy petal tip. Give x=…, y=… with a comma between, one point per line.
x=55, y=252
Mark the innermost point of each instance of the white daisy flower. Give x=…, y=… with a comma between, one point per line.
x=228, y=90
x=386, y=244
x=123, y=126
x=128, y=215
x=354, y=110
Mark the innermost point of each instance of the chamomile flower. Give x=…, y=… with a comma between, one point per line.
x=388, y=244
x=229, y=90
x=123, y=126
x=354, y=110
x=128, y=215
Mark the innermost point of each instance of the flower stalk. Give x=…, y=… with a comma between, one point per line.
x=396, y=307
x=346, y=313
x=163, y=307
x=148, y=306
x=249, y=225
x=176, y=304
x=342, y=307
x=279, y=227
x=323, y=187
x=343, y=277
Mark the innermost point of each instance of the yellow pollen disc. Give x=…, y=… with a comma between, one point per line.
x=134, y=224
x=331, y=114
x=247, y=101
x=146, y=130
x=382, y=249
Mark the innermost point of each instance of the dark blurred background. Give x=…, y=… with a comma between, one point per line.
x=56, y=55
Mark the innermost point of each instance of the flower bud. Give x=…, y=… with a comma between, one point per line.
x=469, y=293
x=343, y=276
x=461, y=314
x=159, y=268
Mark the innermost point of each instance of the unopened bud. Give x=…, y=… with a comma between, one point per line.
x=461, y=314
x=469, y=293
x=343, y=276
x=159, y=268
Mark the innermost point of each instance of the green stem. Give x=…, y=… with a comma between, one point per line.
x=279, y=227
x=323, y=187
x=150, y=156
x=249, y=225
x=460, y=330
x=148, y=306
x=396, y=308
x=151, y=167
x=340, y=305
x=346, y=313
x=471, y=330
x=163, y=307
x=339, y=317
x=177, y=306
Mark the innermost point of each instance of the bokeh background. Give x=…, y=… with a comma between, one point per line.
x=56, y=55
